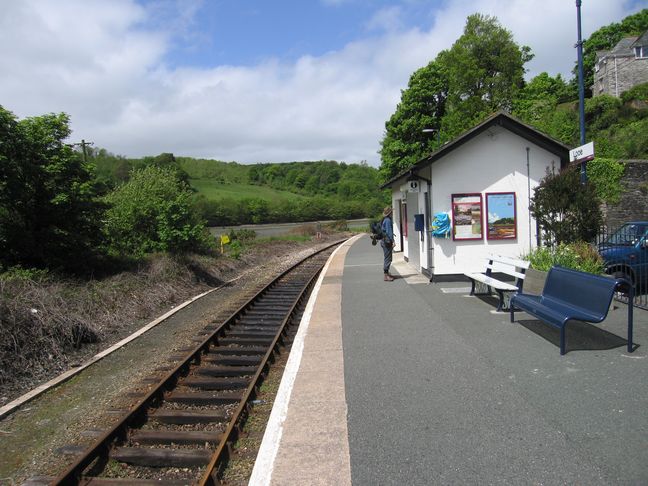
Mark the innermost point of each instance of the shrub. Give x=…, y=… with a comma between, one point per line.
x=578, y=256
x=242, y=235
x=235, y=249
x=153, y=212
x=566, y=210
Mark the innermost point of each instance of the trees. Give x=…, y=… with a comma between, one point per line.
x=153, y=212
x=566, y=210
x=422, y=106
x=49, y=213
x=482, y=72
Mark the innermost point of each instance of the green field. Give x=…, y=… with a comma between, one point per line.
x=215, y=190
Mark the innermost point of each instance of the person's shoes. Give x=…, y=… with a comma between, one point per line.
x=388, y=278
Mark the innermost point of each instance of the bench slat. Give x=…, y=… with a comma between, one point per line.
x=510, y=261
x=507, y=271
x=492, y=282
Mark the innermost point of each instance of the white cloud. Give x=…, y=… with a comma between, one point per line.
x=95, y=61
x=387, y=19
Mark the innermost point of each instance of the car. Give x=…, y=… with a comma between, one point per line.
x=625, y=253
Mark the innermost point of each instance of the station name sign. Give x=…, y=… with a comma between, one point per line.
x=584, y=153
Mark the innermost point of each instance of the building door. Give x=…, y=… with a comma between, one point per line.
x=413, y=243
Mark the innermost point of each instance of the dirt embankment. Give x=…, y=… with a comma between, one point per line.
x=49, y=327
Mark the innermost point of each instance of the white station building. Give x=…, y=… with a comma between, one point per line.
x=481, y=183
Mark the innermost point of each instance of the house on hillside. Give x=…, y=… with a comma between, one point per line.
x=622, y=68
x=482, y=182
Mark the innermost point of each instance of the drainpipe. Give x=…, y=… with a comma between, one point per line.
x=616, y=78
x=529, y=194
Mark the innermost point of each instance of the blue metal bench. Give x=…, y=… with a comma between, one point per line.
x=573, y=295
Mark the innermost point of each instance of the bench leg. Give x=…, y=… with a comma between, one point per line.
x=562, y=340
x=500, y=305
x=472, y=288
x=630, y=306
x=512, y=312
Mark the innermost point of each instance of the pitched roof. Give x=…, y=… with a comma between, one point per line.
x=624, y=47
x=499, y=118
x=642, y=40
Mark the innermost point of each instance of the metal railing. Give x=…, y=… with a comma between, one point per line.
x=625, y=253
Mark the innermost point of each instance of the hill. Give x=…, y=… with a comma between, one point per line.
x=229, y=193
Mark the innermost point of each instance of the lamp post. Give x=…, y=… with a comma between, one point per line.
x=581, y=89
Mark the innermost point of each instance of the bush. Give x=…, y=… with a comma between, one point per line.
x=153, y=212
x=242, y=235
x=578, y=256
x=566, y=210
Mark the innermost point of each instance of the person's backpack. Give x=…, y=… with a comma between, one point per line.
x=376, y=232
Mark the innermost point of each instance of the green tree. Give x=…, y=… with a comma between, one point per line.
x=566, y=210
x=540, y=97
x=421, y=108
x=153, y=212
x=49, y=213
x=482, y=72
x=485, y=71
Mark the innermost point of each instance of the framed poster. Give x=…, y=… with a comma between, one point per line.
x=502, y=216
x=467, y=217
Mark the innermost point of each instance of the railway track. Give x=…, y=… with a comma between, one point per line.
x=183, y=430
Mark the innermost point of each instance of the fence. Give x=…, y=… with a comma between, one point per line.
x=625, y=252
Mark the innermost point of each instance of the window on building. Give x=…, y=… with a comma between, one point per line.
x=641, y=52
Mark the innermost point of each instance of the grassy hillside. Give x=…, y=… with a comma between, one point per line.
x=214, y=189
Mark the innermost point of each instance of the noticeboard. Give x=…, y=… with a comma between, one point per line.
x=467, y=217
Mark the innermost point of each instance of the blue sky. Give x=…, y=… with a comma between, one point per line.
x=247, y=32
x=250, y=80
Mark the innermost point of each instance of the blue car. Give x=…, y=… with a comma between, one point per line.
x=625, y=253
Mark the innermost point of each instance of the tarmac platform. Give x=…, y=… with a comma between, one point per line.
x=419, y=383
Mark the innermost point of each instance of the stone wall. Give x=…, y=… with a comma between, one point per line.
x=634, y=198
x=627, y=72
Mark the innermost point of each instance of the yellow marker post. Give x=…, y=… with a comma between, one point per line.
x=224, y=241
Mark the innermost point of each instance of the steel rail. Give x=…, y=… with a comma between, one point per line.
x=99, y=451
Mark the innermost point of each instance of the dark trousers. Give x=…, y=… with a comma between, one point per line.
x=387, y=252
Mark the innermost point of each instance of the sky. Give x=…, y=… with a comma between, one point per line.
x=252, y=80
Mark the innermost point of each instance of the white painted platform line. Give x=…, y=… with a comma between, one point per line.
x=264, y=464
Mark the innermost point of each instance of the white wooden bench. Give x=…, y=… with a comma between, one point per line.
x=500, y=264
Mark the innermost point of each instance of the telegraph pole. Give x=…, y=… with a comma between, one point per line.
x=581, y=89
x=83, y=144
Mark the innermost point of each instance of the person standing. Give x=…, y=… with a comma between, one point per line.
x=387, y=242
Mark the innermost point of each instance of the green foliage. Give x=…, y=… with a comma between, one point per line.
x=235, y=249
x=48, y=208
x=231, y=193
x=24, y=274
x=606, y=175
x=153, y=212
x=566, y=210
x=540, y=96
x=422, y=107
x=578, y=256
x=638, y=93
x=243, y=235
x=482, y=72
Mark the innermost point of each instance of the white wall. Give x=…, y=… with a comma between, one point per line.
x=494, y=161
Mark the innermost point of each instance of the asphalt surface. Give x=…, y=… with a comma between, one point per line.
x=440, y=389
